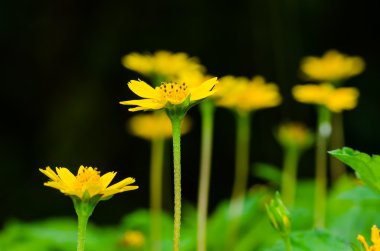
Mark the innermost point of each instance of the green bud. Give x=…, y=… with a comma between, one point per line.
x=279, y=215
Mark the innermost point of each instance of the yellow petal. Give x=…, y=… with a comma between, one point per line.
x=142, y=89
x=204, y=90
x=121, y=184
x=66, y=176
x=50, y=173
x=145, y=104
x=107, y=178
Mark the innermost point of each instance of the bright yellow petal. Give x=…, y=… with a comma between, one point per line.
x=66, y=176
x=50, y=173
x=142, y=89
x=204, y=90
x=121, y=184
x=362, y=240
x=107, y=178
x=145, y=104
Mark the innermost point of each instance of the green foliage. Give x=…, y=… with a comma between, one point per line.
x=313, y=240
x=267, y=172
x=367, y=167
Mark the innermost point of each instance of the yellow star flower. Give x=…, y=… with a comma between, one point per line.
x=375, y=238
x=87, y=183
x=168, y=94
x=246, y=95
x=332, y=66
x=162, y=63
x=335, y=99
x=151, y=126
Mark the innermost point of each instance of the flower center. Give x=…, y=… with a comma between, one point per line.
x=174, y=93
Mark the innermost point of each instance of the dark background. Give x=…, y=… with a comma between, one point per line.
x=62, y=81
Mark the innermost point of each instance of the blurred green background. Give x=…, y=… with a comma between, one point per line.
x=62, y=81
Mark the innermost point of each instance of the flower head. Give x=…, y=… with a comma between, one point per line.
x=246, y=95
x=335, y=99
x=295, y=135
x=87, y=183
x=134, y=239
x=168, y=95
x=375, y=238
x=151, y=126
x=332, y=66
x=162, y=63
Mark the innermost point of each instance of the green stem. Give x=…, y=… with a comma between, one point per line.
x=289, y=175
x=176, y=125
x=82, y=225
x=156, y=166
x=207, y=116
x=324, y=131
x=337, y=168
x=241, y=176
x=288, y=245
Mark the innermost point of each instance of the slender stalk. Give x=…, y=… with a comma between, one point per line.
x=337, y=168
x=324, y=131
x=241, y=176
x=82, y=225
x=289, y=175
x=176, y=125
x=288, y=245
x=156, y=166
x=207, y=116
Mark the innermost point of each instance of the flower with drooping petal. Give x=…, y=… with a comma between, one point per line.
x=246, y=95
x=335, y=99
x=162, y=63
x=155, y=125
x=332, y=66
x=375, y=238
x=168, y=95
x=87, y=183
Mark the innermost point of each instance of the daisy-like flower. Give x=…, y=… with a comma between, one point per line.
x=332, y=66
x=155, y=125
x=87, y=183
x=375, y=238
x=162, y=63
x=335, y=99
x=168, y=95
x=246, y=95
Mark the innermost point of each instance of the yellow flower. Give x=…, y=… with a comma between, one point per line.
x=335, y=99
x=246, y=95
x=155, y=125
x=168, y=94
x=375, y=238
x=87, y=183
x=295, y=135
x=332, y=66
x=163, y=63
x=133, y=238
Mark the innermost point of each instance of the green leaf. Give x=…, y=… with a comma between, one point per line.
x=267, y=172
x=367, y=167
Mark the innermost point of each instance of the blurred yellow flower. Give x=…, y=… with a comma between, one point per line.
x=163, y=63
x=133, y=238
x=375, y=238
x=335, y=99
x=87, y=183
x=294, y=135
x=332, y=66
x=246, y=95
x=168, y=94
x=155, y=125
